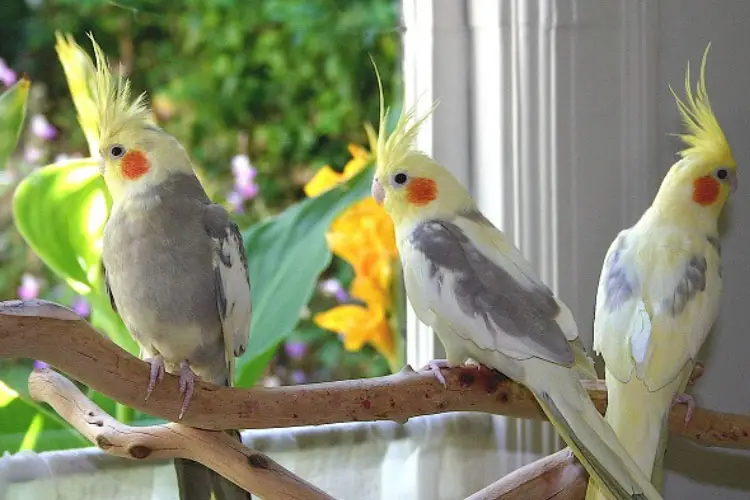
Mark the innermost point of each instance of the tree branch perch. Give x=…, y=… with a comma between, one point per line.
x=51, y=333
x=249, y=469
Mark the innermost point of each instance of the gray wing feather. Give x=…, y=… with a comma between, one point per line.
x=108, y=289
x=232, y=280
x=485, y=289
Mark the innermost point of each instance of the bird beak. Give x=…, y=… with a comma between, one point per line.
x=733, y=182
x=377, y=191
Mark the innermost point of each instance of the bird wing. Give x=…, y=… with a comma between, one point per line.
x=232, y=282
x=483, y=287
x=658, y=297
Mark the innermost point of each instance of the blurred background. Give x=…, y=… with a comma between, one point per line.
x=269, y=98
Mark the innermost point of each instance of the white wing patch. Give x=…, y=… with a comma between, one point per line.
x=233, y=294
x=640, y=336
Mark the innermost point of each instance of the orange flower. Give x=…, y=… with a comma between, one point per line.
x=358, y=325
x=363, y=236
x=326, y=178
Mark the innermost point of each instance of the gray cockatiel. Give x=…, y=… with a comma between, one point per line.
x=175, y=266
x=468, y=282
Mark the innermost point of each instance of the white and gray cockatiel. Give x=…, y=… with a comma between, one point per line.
x=175, y=265
x=467, y=281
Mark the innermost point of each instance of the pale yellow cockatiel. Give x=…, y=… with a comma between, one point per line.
x=660, y=285
x=468, y=282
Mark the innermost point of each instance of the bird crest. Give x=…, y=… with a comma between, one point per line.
x=704, y=138
x=116, y=109
x=392, y=149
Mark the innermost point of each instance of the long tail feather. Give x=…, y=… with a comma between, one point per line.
x=570, y=409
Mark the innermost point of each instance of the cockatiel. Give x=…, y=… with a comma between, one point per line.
x=175, y=265
x=660, y=285
x=484, y=301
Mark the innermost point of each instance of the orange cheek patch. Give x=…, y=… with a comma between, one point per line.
x=421, y=191
x=705, y=190
x=134, y=164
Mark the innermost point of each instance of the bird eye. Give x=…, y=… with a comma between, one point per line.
x=721, y=173
x=116, y=151
x=400, y=179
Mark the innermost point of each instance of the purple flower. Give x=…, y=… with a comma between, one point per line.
x=41, y=128
x=237, y=201
x=244, y=177
x=295, y=350
x=32, y=155
x=333, y=288
x=7, y=75
x=81, y=307
x=39, y=364
x=29, y=289
x=297, y=377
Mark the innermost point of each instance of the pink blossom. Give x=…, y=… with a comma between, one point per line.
x=244, y=177
x=29, y=289
x=295, y=350
x=7, y=75
x=32, y=155
x=333, y=288
x=42, y=128
x=81, y=307
x=237, y=202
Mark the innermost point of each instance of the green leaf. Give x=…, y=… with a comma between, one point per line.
x=12, y=116
x=26, y=423
x=286, y=255
x=60, y=210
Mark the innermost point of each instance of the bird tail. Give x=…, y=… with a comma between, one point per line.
x=198, y=482
x=570, y=409
x=643, y=432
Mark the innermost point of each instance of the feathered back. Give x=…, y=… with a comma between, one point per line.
x=115, y=108
x=391, y=150
x=704, y=139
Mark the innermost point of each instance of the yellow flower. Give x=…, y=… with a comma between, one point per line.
x=358, y=325
x=326, y=178
x=363, y=236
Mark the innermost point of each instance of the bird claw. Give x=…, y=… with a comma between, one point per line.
x=187, y=385
x=434, y=366
x=156, y=374
x=688, y=400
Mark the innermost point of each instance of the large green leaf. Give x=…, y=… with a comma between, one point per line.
x=286, y=255
x=60, y=210
x=12, y=115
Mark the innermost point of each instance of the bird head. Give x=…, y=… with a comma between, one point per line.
x=407, y=182
x=135, y=152
x=706, y=175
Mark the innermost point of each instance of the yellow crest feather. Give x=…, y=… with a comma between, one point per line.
x=704, y=139
x=392, y=149
x=116, y=110
x=81, y=76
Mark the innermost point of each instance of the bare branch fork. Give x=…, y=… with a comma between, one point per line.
x=51, y=333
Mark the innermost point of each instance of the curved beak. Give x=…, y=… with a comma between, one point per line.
x=733, y=183
x=377, y=191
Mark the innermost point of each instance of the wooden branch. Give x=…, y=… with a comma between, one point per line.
x=249, y=469
x=556, y=477
x=51, y=333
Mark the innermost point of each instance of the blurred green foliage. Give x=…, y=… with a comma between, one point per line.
x=287, y=82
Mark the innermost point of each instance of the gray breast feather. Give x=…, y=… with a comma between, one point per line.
x=692, y=282
x=484, y=289
x=619, y=284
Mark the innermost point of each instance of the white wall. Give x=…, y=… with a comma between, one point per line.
x=556, y=114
